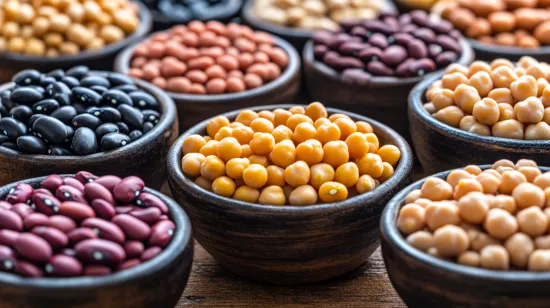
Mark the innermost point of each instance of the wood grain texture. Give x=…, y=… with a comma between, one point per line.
x=211, y=285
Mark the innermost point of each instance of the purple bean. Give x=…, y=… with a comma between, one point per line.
x=43, y=191
x=128, y=264
x=96, y=270
x=46, y=204
x=73, y=183
x=7, y=259
x=405, y=19
x=402, y=39
x=134, y=228
x=394, y=55
x=146, y=200
x=446, y=58
x=349, y=62
x=150, y=253
x=448, y=43
x=417, y=49
x=108, y=181
x=163, y=217
x=338, y=40
x=161, y=233
x=94, y=191
x=8, y=237
x=331, y=59
x=63, y=266
x=85, y=177
x=33, y=248
x=22, y=209
x=370, y=54
x=76, y=210
x=410, y=28
x=103, y=209
x=51, y=182
x=63, y=223
x=319, y=51
x=425, y=34
x=351, y=48
x=105, y=229
x=378, y=40
x=456, y=34
x=53, y=236
x=420, y=18
x=133, y=249
x=404, y=69
x=98, y=251
x=377, y=26
x=392, y=22
x=125, y=209
x=35, y=219
x=422, y=67
x=379, y=69
x=128, y=189
x=68, y=252
x=352, y=76
x=27, y=269
x=358, y=31
x=441, y=26
x=20, y=193
x=322, y=37
x=69, y=193
x=10, y=220
x=434, y=50
x=5, y=205
x=349, y=24
x=149, y=215
x=80, y=234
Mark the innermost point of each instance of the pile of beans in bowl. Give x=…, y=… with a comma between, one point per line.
x=500, y=98
x=495, y=218
x=501, y=22
x=81, y=226
x=185, y=10
x=409, y=45
x=211, y=58
x=74, y=112
x=299, y=156
x=57, y=28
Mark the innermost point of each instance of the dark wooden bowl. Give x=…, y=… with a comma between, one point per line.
x=12, y=63
x=383, y=99
x=425, y=281
x=486, y=52
x=156, y=283
x=193, y=108
x=288, y=244
x=145, y=157
x=298, y=37
x=440, y=147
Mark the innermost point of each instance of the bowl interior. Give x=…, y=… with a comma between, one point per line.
x=180, y=240
x=384, y=133
x=388, y=225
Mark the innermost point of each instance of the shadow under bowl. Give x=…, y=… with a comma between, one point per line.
x=145, y=157
x=486, y=52
x=193, y=108
x=158, y=282
x=425, y=281
x=288, y=244
x=102, y=59
x=441, y=147
x=383, y=98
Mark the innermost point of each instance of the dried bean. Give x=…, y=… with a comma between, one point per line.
x=103, y=209
x=8, y=237
x=69, y=193
x=35, y=219
x=98, y=251
x=46, y=204
x=7, y=259
x=52, y=182
x=80, y=234
x=20, y=193
x=22, y=209
x=94, y=191
x=96, y=270
x=85, y=177
x=149, y=215
x=10, y=220
x=133, y=249
x=128, y=189
x=28, y=269
x=63, y=223
x=53, y=236
x=149, y=200
x=161, y=233
x=150, y=253
x=105, y=229
x=33, y=248
x=129, y=264
x=76, y=210
x=74, y=183
x=63, y=266
x=108, y=181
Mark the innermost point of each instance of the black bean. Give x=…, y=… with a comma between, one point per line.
x=27, y=77
x=78, y=71
x=127, y=88
x=10, y=145
x=32, y=144
x=131, y=116
x=45, y=81
x=13, y=128
x=51, y=129
x=70, y=132
x=57, y=74
x=116, y=79
x=114, y=141
x=39, y=89
x=370, y=54
x=144, y=100
x=65, y=114
x=394, y=55
x=60, y=92
x=4, y=138
x=151, y=116
x=59, y=151
x=84, y=141
x=378, y=40
x=86, y=120
x=6, y=100
x=71, y=82
x=45, y=106
x=106, y=114
x=3, y=110
x=95, y=81
x=122, y=127
x=147, y=126
x=417, y=49
x=33, y=119
x=115, y=98
x=21, y=113
x=86, y=96
x=134, y=135
x=99, y=89
x=107, y=128
x=80, y=108
x=379, y=69
x=352, y=76
x=26, y=95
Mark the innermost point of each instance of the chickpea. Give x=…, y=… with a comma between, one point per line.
x=532, y=221
x=453, y=80
x=473, y=207
x=503, y=76
x=371, y=164
x=542, y=242
x=539, y=260
x=203, y=183
x=261, y=125
x=365, y=184
x=297, y=174
x=374, y=143
x=543, y=180
x=506, y=112
x=304, y=131
x=255, y=175
x=247, y=194
x=456, y=175
x=495, y=257
x=272, y=195
x=229, y=148
x=243, y=134
x=451, y=241
x=328, y=132
x=275, y=176
x=303, y=195
x=283, y=154
x=511, y=129
x=347, y=174
x=281, y=133
x=346, y=126
x=332, y=192
x=390, y=154
x=413, y=196
x=473, y=169
x=530, y=172
x=465, y=97
x=223, y=186
x=297, y=110
x=224, y=132
x=421, y=240
x=436, y=189
x=537, y=71
x=215, y=124
x=247, y=116
x=322, y=173
x=500, y=224
x=482, y=82
x=439, y=214
x=262, y=143
x=212, y=167
x=539, y=131
x=442, y=98
x=480, y=239
x=527, y=195
x=423, y=201
x=502, y=95
x=450, y=115
x=466, y=186
x=296, y=119
x=359, y=147
x=364, y=127
x=315, y=111
x=210, y=148
x=469, y=258
x=236, y=166
x=281, y=116
x=320, y=122
x=530, y=110
x=191, y=164
x=486, y=111
x=504, y=202
x=335, y=153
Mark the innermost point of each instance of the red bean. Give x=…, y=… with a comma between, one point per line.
x=33, y=248
x=53, y=236
x=134, y=228
x=46, y=204
x=10, y=220
x=85, y=177
x=128, y=189
x=163, y=217
x=379, y=69
x=150, y=200
x=161, y=233
x=125, y=209
x=5, y=205
x=96, y=270
x=51, y=182
x=63, y=266
x=370, y=54
x=103, y=209
x=149, y=215
x=80, y=234
x=133, y=249
x=417, y=49
x=20, y=193
x=394, y=55
x=35, y=219
x=76, y=210
x=422, y=67
x=150, y=253
x=446, y=58
x=97, y=191
x=98, y=251
x=129, y=264
x=74, y=183
x=322, y=37
x=7, y=259
x=351, y=48
x=63, y=223
x=449, y=43
x=108, y=181
x=28, y=269
x=69, y=193
x=404, y=69
x=22, y=209
x=8, y=237
x=105, y=229
x=378, y=40
x=402, y=39
x=43, y=191
x=425, y=34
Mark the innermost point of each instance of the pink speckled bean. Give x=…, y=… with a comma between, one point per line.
x=21, y=193
x=149, y=215
x=46, y=204
x=105, y=229
x=133, y=249
x=108, y=181
x=52, y=182
x=10, y=220
x=161, y=233
x=98, y=251
x=69, y=193
x=103, y=209
x=63, y=266
x=150, y=253
x=80, y=234
x=28, y=269
x=96, y=270
x=94, y=191
x=63, y=223
x=22, y=209
x=128, y=189
x=53, y=236
x=149, y=200
x=35, y=219
x=33, y=248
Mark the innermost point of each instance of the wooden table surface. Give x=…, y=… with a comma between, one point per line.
x=210, y=285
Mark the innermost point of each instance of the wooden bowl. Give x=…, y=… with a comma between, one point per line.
x=12, y=63
x=288, y=244
x=486, y=52
x=425, y=281
x=193, y=108
x=385, y=98
x=156, y=283
x=440, y=147
x=298, y=37
x=145, y=157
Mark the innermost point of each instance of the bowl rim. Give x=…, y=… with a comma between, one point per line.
x=122, y=66
x=234, y=7
x=167, y=119
x=499, y=51
x=466, y=58
x=389, y=232
x=179, y=242
x=416, y=98
x=146, y=22
x=402, y=172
